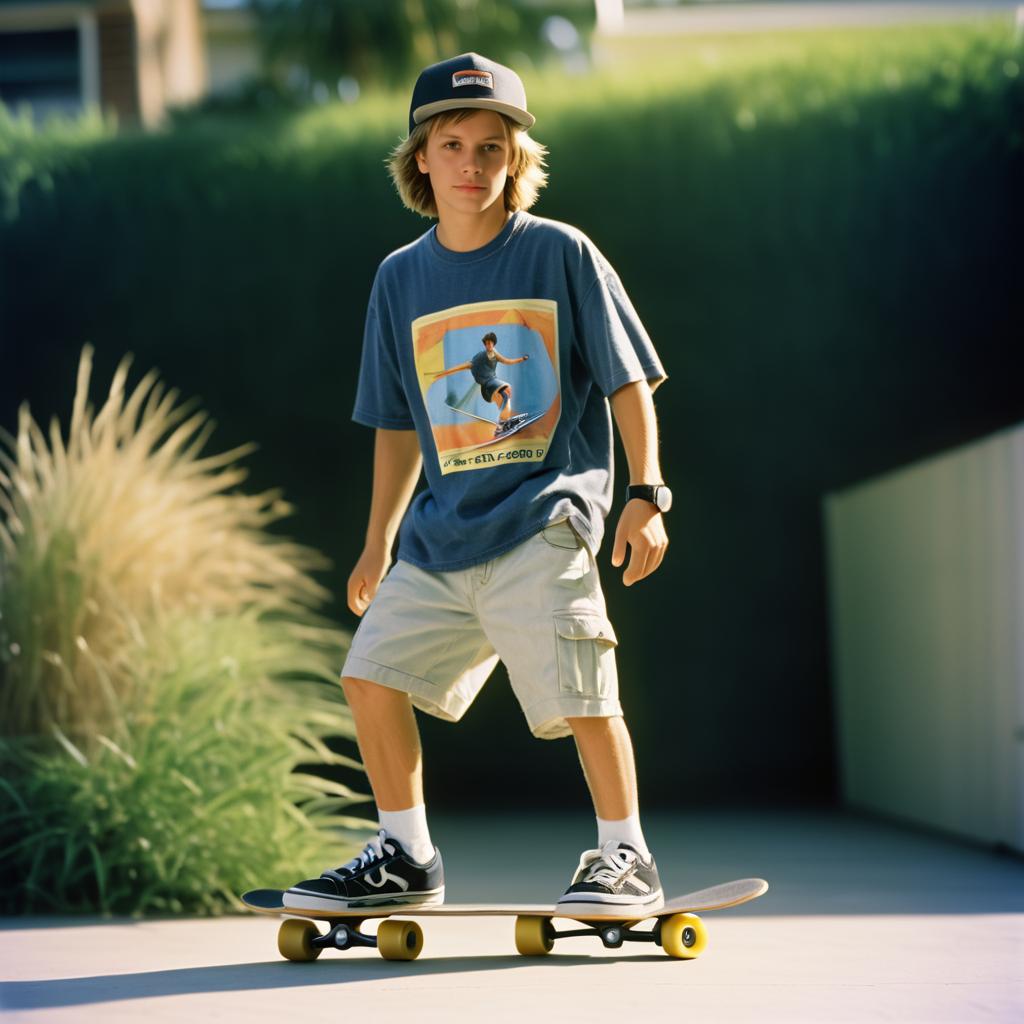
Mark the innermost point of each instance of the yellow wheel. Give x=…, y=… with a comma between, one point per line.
x=683, y=936
x=534, y=936
x=295, y=940
x=399, y=940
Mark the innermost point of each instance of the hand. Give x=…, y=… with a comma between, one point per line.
x=366, y=576
x=642, y=527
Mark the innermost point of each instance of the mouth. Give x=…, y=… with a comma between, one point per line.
x=470, y=188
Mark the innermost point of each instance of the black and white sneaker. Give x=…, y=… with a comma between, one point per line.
x=506, y=425
x=382, y=875
x=614, y=879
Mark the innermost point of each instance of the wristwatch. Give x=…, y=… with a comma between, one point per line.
x=657, y=494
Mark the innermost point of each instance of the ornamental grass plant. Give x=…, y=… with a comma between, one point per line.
x=164, y=670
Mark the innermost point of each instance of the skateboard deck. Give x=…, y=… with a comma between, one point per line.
x=677, y=928
x=525, y=422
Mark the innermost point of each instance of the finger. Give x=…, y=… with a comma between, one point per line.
x=357, y=597
x=637, y=561
x=654, y=560
x=632, y=573
x=619, y=550
x=648, y=567
x=661, y=558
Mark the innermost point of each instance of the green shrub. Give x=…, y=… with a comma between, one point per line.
x=164, y=670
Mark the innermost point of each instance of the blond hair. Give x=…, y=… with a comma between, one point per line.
x=525, y=180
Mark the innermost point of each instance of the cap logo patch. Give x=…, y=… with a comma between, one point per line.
x=472, y=77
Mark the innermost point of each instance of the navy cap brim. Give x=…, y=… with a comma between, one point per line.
x=520, y=116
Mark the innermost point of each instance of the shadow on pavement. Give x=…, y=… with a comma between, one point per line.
x=105, y=988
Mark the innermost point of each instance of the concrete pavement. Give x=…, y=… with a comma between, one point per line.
x=864, y=922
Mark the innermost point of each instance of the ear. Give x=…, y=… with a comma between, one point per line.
x=421, y=161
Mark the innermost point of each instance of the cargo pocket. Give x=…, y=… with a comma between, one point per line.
x=586, y=659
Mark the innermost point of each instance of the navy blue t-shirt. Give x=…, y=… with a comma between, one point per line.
x=567, y=336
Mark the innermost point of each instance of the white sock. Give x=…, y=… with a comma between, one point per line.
x=409, y=827
x=625, y=831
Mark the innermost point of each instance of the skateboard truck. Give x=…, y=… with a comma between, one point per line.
x=615, y=934
x=300, y=939
x=344, y=935
x=400, y=938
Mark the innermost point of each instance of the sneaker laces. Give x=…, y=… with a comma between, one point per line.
x=610, y=865
x=376, y=849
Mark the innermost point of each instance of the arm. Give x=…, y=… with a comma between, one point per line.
x=510, y=362
x=453, y=369
x=396, y=468
x=640, y=525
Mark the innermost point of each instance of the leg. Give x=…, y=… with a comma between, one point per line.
x=546, y=614
x=619, y=875
x=502, y=398
x=389, y=743
x=401, y=865
x=606, y=753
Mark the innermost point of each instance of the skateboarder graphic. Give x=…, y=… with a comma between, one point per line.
x=492, y=388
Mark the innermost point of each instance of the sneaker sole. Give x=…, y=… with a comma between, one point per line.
x=608, y=908
x=303, y=901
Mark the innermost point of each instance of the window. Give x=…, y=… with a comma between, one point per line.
x=43, y=69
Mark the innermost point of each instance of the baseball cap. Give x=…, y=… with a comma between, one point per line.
x=469, y=80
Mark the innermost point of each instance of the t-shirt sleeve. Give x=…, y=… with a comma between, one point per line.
x=380, y=398
x=615, y=344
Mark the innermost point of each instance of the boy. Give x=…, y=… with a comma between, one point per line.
x=492, y=387
x=497, y=556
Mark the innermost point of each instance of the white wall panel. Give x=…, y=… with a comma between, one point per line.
x=926, y=577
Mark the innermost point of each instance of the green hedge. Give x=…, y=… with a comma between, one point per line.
x=252, y=244
x=818, y=229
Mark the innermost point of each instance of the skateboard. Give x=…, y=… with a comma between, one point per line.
x=677, y=929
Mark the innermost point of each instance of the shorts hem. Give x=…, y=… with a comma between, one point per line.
x=547, y=718
x=422, y=691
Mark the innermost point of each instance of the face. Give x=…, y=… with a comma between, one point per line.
x=489, y=345
x=468, y=163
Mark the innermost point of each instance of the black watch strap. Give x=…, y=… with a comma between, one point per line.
x=650, y=492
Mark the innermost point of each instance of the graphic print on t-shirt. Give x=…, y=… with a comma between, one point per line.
x=488, y=373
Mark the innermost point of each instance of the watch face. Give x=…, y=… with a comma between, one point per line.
x=663, y=498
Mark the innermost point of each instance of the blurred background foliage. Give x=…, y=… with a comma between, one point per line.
x=818, y=229
x=384, y=42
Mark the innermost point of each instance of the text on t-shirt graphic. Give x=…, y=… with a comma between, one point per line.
x=489, y=376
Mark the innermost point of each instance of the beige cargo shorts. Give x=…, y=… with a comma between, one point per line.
x=538, y=608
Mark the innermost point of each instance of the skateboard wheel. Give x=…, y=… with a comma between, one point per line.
x=534, y=936
x=399, y=940
x=295, y=940
x=683, y=936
